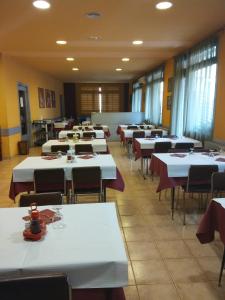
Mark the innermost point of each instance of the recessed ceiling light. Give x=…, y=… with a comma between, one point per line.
x=137, y=42
x=93, y=15
x=94, y=38
x=70, y=59
x=61, y=42
x=118, y=69
x=75, y=69
x=41, y=4
x=164, y=5
x=125, y=59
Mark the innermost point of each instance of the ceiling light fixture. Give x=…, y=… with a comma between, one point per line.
x=93, y=15
x=61, y=42
x=164, y=5
x=70, y=59
x=138, y=42
x=75, y=69
x=118, y=69
x=125, y=59
x=41, y=4
x=94, y=38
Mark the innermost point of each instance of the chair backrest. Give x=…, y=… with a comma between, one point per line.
x=132, y=127
x=184, y=145
x=218, y=182
x=98, y=128
x=41, y=199
x=83, y=148
x=200, y=174
x=142, y=126
x=49, y=180
x=138, y=134
x=162, y=147
x=70, y=135
x=89, y=134
x=63, y=148
x=39, y=286
x=156, y=132
x=86, y=178
x=173, y=150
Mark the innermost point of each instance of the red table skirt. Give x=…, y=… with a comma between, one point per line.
x=213, y=219
x=138, y=152
x=98, y=294
x=19, y=187
x=160, y=168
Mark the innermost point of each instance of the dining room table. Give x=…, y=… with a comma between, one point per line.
x=23, y=173
x=142, y=126
x=173, y=168
x=105, y=128
x=127, y=134
x=87, y=247
x=100, y=134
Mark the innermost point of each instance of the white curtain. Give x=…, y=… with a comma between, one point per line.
x=154, y=95
x=136, y=97
x=194, y=92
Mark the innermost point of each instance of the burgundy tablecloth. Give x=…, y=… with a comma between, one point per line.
x=138, y=152
x=160, y=168
x=98, y=294
x=19, y=187
x=213, y=219
x=118, y=131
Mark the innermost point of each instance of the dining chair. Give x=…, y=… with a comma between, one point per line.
x=53, y=198
x=62, y=148
x=155, y=133
x=90, y=134
x=184, y=146
x=162, y=147
x=198, y=181
x=49, y=180
x=132, y=127
x=218, y=184
x=87, y=180
x=173, y=150
x=35, y=286
x=70, y=135
x=83, y=148
x=98, y=128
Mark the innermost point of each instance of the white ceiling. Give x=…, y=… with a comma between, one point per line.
x=30, y=34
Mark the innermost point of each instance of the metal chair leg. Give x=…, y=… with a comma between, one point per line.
x=184, y=210
x=222, y=267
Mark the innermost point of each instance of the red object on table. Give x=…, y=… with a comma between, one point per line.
x=28, y=235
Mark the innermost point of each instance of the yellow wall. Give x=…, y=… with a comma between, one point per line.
x=168, y=73
x=219, y=126
x=11, y=73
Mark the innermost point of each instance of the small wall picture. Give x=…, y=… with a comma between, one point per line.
x=41, y=97
x=48, y=98
x=169, y=102
x=53, y=99
x=170, y=85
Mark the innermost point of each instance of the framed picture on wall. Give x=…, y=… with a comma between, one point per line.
x=41, y=97
x=170, y=85
x=48, y=98
x=169, y=102
x=53, y=99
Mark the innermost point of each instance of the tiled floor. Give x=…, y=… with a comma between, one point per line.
x=166, y=261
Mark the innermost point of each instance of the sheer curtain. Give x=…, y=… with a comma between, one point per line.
x=136, y=97
x=194, y=92
x=154, y=95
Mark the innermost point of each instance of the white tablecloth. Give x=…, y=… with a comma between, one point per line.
x=145, y=126
x=99, y=133
x=150, y=144
x=99, y=145
x=221, y=201
x=179, y=166
x=105, y=127
x=128, y=133
x=60, y=124
x=24, y=171
x=89, y=249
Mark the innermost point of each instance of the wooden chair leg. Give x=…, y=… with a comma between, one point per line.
x=184, y=209
x=222, y=267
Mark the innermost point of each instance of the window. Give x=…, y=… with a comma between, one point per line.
x=136, y=97
x=194, y=92
x=154, y=96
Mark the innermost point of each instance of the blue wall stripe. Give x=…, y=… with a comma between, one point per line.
x=10, y=131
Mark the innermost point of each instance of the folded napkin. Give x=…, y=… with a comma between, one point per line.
x=178, y=155
x=46, y=215
x=87, y=156
x=220, y=159
x=49, y=157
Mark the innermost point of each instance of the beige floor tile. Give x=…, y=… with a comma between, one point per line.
x=127, y=210
x=199, y=290
x=139, y=233
x=165, y=232
x=142, y=250
x=157, y=292
x=158, y=220
x=131, y=280
x=150, y=271
x=131, y=293
x=185, y=270
x=173, y=249
x=132, y=221
x=187, y=232
x=211, y=267
x=199, y=250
